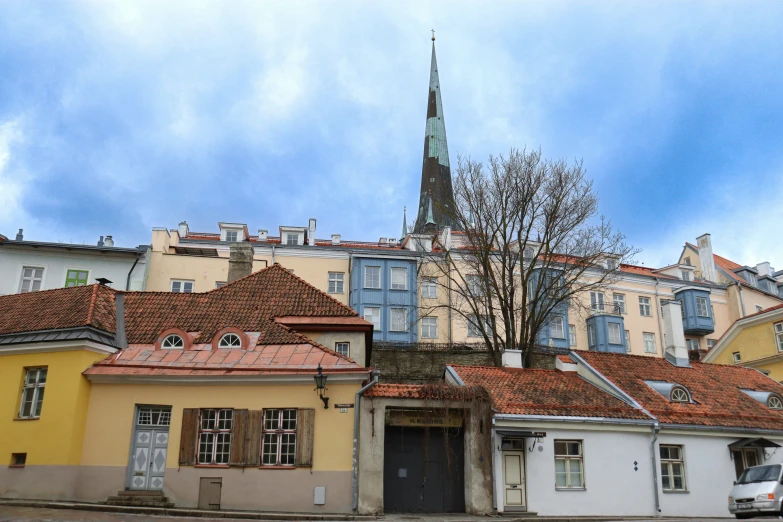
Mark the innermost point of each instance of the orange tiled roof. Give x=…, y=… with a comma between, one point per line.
x=396, y=391
x=643, y=270
x=715, y=389
x=61, y=308
x=545, y=392
x=727, y=265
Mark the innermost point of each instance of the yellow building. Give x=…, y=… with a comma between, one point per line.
x=755, y=341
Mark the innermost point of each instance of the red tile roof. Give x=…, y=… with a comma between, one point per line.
x=439, y=391
x=715, y=389
x=545, y=392
x=727, y=265
x=91, y=305
x=643, y=270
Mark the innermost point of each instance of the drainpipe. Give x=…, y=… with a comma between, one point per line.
x=655, y=430
x=273, y=254
x=374, y=376
x=127, y=281
x=448, y=308
x=660, y=328
x=742, y=299
x=350, y=283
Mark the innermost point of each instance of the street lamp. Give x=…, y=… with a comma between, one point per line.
x=320, y=386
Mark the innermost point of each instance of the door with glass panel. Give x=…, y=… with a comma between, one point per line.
x=150, y=445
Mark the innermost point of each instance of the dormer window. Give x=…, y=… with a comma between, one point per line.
x=679, y=394
x=231, y=235
x=230, y=340
x=672, y=391
x=172, y=342
x=774, y=402
x=292, y=239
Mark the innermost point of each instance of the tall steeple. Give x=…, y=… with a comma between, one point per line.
x=436, y=193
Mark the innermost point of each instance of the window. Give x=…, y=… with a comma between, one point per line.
x=372, y=277
x=590, y=335
x=702, y=310
x=18, y=460
x=752, y=278
x=774, y=402
x=373, y=315
x=597, y=301
x=744, y=458
x=474, y=284
x=231, y=235
x=687, y=261
x=291, y=239
x=181, y=286
x=76, y=278
x=399, y=320
x=571, y=335
x=336, y=282
x=557, y=327
x=672, y=468
x=692, y=344
x=736, y=357
x=644, y=306
x=475, y=325
x=779, y=335
x=614, y=334
x=399, y=278
x=154, y=417
x=343, y=348
x=214, y=436
x=679, y=394
x=649, y=342
x=279, y=446
x=33, y=393
x=569, y=471
x=32, y=279
x=429, y=328
x=429, y=288
x=220, y=284
x=619, y=303
x=686, y=275
x=172, y=341
x=711, y=343
x=230, y=340
x=628, y=341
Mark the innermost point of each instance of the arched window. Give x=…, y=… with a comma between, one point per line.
x=774, y=402
x=172, y=342
x=230, y=340
x=679, y=394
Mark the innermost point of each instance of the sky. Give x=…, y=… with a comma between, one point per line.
x=116, y=117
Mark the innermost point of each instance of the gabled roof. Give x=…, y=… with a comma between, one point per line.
x=716, y=390
x=545, y=392
x=733, y=330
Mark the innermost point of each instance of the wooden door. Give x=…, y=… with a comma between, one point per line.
x=209, y=492
x=514, y=479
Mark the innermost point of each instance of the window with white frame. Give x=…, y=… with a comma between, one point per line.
x=372, y=277
x=343, y=348
x=231, y=235
x=399, y=320
x=148, y=416
x=291, y=239
x=429, y=288
x=711, y=343
x=279, y=446
x=736, y=357
x=752, y=278
x=336, y=282
x=220, y=284
x=214, y=436
x=590, y=335
x=557, y=327
x=571, y=335
x=32, y=279
x=181, y=286
x=619, y=303
x=230, y=340
x=429, y=328
x=597, y=301
x=628, y=341
x=33, y=393
x=702, y=310
x=172, y=342
x=372, y=314
x=615, y=337
x=779, y=335
x=399, y=278
x=692, y=344
x=475, y=324
x=644, y=307
x=685, y=274
x=569, y=464
x=672, y=468
x=475, y=285
x=649, y=342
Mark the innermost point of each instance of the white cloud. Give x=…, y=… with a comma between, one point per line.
x=13, y=178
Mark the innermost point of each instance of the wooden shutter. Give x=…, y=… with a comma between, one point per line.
x=305, y=430
x=187, y=439
x=238, y=435
x=255, y=422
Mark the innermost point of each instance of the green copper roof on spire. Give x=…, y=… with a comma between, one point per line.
x=404, y=223
x=436, y=125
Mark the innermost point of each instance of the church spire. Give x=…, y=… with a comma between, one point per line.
x=404, y=223
x=436, y=190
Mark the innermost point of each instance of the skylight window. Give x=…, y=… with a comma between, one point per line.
x=671, y=391
x=678, y=394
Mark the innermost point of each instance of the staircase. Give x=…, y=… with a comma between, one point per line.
x=140, y=499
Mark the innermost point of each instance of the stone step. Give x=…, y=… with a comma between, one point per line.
x=140, y=493
x=137, y=498
x=140, y=503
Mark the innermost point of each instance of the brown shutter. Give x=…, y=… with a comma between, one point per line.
x=305, y=430
x=255, y=420
x=187, y=439
x=238, y=435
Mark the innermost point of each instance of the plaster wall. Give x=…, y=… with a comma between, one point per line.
x=329, y=339
x=753, y=343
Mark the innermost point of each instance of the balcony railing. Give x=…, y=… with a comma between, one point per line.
x=596, y=308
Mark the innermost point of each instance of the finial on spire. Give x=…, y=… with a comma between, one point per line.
x=433, y=34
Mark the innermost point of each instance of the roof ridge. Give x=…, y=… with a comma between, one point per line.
x=251, y=274
x=91, y=308
x=345, y=306
x=315, y=344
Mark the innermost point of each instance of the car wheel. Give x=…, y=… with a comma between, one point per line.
x=742, y=516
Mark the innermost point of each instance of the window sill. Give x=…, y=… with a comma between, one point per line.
x=570, y=489
x=675, y=491
x=27, y=418
x=226, y=466
x=277, y=467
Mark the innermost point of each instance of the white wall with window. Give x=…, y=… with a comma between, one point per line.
x=649, y=342
x=336, y=283
x=343, y=348
x=597, y=301
x=181, y=286
x=645, y=307
x=571, y=335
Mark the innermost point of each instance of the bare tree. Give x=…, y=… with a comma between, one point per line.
x=530, y=243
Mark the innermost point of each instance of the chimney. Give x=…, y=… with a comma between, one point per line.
x=311, y=232
x=335, y=239
x=240, y=261
x=764, y=269
x=512, y=358
x=392, y=242
x=109, y=241
x=100, y=241
x=20, y=235
x=263, y=234
x=382, y=241
x=674, y=350
x=183, y=229
x=705, y=257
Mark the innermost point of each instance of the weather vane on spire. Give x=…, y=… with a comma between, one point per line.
x=433, y=34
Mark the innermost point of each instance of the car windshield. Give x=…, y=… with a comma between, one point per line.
x=759, y=474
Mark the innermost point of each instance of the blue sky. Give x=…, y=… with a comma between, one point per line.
x=119, y=116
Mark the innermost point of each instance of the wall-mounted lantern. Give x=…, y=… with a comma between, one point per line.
x=320, y=386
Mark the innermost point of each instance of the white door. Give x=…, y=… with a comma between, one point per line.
x=514, y=479
x=150, y=444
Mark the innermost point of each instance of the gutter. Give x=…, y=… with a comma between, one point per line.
x=355, y=479
x=742, y=299
x=585, y=420
x=655, y=430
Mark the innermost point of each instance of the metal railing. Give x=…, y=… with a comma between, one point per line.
x=430, y=347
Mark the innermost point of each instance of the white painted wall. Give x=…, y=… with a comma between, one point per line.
x=56, y=262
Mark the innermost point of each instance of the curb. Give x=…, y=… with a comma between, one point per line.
x=182, y=512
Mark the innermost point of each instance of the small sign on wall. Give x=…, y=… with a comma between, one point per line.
x=424, y=418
